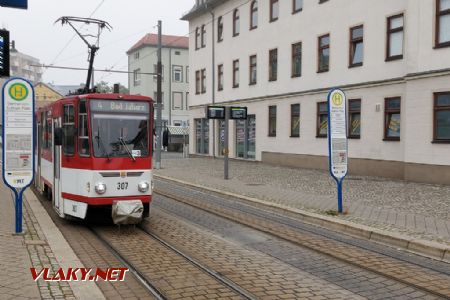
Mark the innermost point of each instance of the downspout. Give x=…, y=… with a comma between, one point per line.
x=213, y=72
x=170, y=87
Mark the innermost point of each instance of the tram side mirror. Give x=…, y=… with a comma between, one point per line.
x=58, y=136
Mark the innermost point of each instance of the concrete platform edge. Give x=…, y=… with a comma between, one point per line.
x=421, y=247
x=62, y=250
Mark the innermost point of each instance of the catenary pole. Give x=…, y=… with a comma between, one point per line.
x=158, y=102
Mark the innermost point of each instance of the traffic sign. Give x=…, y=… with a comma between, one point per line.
x=18, y=139
x=14, y=3
x=337, y=139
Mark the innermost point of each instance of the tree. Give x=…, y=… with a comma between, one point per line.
x=104, y=87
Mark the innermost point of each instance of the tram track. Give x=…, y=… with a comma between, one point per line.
x=415, y=273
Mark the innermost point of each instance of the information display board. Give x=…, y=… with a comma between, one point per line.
x=23, y=4
x=238, y=113
x=4, y=53
x=215, y=112
x=18, y=137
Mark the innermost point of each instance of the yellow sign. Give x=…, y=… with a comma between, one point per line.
x=18, y=91
x=338, y=99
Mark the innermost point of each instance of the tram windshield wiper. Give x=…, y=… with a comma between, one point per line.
x=126, y=148
x=102, y=146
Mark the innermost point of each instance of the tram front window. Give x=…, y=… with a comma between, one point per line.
x=117, y=135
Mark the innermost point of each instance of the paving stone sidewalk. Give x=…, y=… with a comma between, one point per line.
x=19, y=253
x=418, y=210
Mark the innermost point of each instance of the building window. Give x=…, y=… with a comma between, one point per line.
x=296, y=60
x=274, y=10
x=220, y=77
x=136, y=55
x=197, y=37
x=295, y=120
x=177, y=102
x=394, y=37
x=201, y=136
x=220, y=29
x=177, y=73
x=392, y=119
x=69, y=130
x=155, y=70
x=137, y=77
x=187, y=74
x=273, y=120
x=177, y=53
x=443, y=23
x=442, y=117
x=236, y=22
x=297, y=5
x=273, y=64
x=253, y=70
x=322, y=119
x=203, y=38
x=324, y=53
x=203, y=72
x=356, y=46
x=197, y=82
x=254, y=15
x=354, y=118
x=83, y=131
x=236, y=73
x=322, y=1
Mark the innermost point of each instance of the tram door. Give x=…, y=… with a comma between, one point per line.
x=57, y=199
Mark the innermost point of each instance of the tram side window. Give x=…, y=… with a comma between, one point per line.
x=83, y=133
x=69, y=130
x=47, y=132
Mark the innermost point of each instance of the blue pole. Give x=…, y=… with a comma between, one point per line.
x=18, y=212
x=339, y=186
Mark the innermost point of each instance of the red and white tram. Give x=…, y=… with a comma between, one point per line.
x=94, y=149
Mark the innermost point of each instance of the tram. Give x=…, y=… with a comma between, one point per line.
x=95, y=149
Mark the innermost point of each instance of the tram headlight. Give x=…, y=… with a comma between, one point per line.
x=100, y=188
x=143, y=186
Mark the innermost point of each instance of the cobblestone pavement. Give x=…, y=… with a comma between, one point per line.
x=260, y=274
x=418, y=210
x=19, y=253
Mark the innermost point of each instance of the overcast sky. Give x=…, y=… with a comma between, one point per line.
x=36, y=34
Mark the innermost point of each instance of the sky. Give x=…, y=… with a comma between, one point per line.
x=36, y=33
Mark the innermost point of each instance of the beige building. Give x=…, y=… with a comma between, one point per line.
x=45, y=94
x=142, y=58
x=280, y=59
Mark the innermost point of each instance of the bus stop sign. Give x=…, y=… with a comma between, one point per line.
x=18, y=139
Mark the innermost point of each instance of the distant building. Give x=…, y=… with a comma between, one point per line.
x=142, y=58
x=66, y=90
x=25, y=66
x=45, y=94
x=280, y=59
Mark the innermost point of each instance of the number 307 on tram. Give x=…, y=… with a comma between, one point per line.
x=95, y=149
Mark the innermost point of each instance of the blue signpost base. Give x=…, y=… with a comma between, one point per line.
x=18, y=205
x=339, y=192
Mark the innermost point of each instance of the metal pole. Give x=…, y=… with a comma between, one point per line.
x=158, y=102
x=18, y=211
x=225, y=158
x=339, y=186
x=213, y=76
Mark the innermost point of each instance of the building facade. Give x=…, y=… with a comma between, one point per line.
x=281, y=58
x=25, y=66
x=45, y=94
x=142, y=58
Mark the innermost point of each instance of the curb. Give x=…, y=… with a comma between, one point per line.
x=421, y=247
x=64, y=254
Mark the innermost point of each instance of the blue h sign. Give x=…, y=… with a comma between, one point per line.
x=15, y=3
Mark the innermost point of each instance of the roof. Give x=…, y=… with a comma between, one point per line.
x=202, y=8
x=168, y=41
x=65, y=90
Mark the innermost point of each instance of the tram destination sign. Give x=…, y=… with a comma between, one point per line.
x=337, y=134
x=215, y=112
x=238, y=113
x=119, y=106
x=18, y=134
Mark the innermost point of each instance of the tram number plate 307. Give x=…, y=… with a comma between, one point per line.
x=122, y=185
